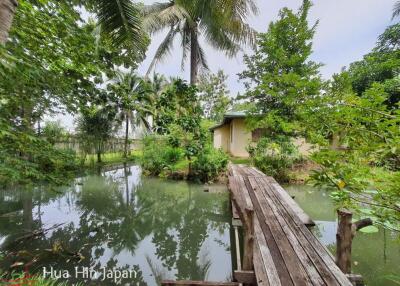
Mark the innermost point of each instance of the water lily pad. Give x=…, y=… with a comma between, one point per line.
x=369, y=229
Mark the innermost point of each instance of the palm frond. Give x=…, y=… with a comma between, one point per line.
x=160, y=15
x=164, y=49
x=121, y=20
x=396, y=10
x=185, y=43
x=202, y=61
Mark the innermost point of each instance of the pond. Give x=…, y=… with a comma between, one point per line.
x=376, y=256
x=155, y=228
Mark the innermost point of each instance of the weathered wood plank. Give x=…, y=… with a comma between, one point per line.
x=269, y=224
x=235, y=213
x=268, y=265
x=247, y=277
x=319, y=249
x=296, y=228
x=197, y=283
x=294, y=206
x=244, y=192
x=285, y=251
x=291, y=234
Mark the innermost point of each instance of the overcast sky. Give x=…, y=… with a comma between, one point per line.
x=347, y=30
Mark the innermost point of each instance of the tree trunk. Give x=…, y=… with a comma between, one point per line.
x=126, y=135
x=194, y=60
x=7, y=11
x=98, y=157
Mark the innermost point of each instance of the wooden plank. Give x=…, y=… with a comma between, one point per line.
x=267, y=262
x=259, y=268
x=237, y=196
x=197, y=283
x=235, y=213
x=280, y=234
x=303, y=257
x=258, y=172
x=244, y=192
x=314, y=257
x=247, y=277
x=268, y=219
x=319, y=249
x=295, y=207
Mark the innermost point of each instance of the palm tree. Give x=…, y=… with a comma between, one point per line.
x=119, y=19
x=7, y=11
x=220, y=22
x=136, y=103
x=396, y=9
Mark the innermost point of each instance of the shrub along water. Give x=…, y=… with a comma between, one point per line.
x=274, y=156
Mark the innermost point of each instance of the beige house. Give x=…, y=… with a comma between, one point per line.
x=231, y=134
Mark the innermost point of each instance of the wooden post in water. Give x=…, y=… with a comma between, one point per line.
x=248, y=239
x=344, y=237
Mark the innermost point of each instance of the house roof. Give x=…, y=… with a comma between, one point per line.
x=228, y=117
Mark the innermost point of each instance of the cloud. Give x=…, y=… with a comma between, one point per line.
x=347, y=30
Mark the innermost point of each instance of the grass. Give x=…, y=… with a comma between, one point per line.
x=239, y=160
x=27, y=279
x=111, y=158
x=181, y=166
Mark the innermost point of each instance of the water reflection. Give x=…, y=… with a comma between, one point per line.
x=161, y=229
x=376, y=256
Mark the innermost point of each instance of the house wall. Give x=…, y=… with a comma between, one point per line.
x=221, y=138
x=241, y=138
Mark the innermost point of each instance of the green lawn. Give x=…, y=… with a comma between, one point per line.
x=237, y=160
x=112, y=158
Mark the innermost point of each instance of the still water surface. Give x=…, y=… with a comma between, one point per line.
x=120, y=220
x=376, y=256
x=161, y=229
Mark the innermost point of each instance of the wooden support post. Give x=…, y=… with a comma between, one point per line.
x=248, y=239
x=344, y=237
x=245, y=277
x=356, y=279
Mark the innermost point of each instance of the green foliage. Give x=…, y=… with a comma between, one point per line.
x=214, y=95
x=274, y=156
x=28, y=279
x=53, y=131
x=95, y=127
x=26, y=158
x=381, y=65
x=209, y=164
x=158, y=155
x=179, y=117
x=279, y=76
x=364, y=166
x=222, y=23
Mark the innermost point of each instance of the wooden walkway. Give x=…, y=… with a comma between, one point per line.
x=285, y=252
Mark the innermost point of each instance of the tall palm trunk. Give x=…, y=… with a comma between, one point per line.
x=126, y=134
x=7, y=11
x=194, y=55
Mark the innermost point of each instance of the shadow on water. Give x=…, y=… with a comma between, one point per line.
x=119, y=220
x=376, y=256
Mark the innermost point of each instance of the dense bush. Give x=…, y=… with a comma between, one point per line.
x=274, y=156
x=27, y=158
x=158, y=155
x=209, y=163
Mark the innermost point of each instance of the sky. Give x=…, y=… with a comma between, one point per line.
x=347, y=30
